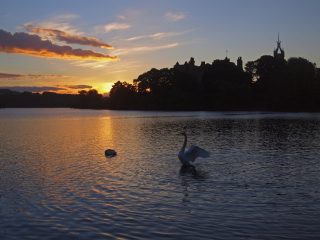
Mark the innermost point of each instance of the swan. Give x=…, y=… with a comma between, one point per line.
x=190, y=156
x=110, y=152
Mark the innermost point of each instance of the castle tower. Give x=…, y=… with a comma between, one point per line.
x=191, y=62
x=239, y=63
x=278, y=52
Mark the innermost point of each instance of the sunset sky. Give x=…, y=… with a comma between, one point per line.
x=67, y=46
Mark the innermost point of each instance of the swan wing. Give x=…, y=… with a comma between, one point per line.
x=195, y=152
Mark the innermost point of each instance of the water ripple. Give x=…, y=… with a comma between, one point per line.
x=261, y=182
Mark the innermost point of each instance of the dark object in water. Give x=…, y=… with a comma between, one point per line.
x=110, y=152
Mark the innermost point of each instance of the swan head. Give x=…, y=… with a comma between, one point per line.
x=183, y=133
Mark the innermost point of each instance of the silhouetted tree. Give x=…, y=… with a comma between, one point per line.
x=284, y=85
x=2, y=101
x=53, y=100
x=267, y=83
x=89, y=99
x=251, y=69
x=122, y=96
x=226, y=87
x=35, y=100
x=186, y=91
x=167, y=89
x=303, y=77
x=154, y=80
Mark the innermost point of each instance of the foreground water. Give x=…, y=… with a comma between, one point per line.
x=261, y=182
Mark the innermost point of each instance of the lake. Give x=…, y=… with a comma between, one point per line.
x=262, y=180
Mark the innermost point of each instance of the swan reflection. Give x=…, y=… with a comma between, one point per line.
x=190, y=172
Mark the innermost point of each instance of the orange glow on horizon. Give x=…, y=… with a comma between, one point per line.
x=105, y=88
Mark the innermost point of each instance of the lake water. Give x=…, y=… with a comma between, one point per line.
x=262, y=180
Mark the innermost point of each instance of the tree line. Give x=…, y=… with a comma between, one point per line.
x=90, y=99
x=266, y=84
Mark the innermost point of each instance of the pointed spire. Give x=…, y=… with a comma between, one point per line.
x=279, y=52
x=278, y=43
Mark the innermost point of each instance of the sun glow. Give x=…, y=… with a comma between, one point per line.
x=106, y=88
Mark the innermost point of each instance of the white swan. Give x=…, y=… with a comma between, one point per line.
x=189, y=156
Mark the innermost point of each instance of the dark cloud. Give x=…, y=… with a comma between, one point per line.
x=76, y=86
x=68, y=38
x=43, y=89
x=9, y=75
x=24, y=43
x=33, y=76
x=29, y=76
x=33, y=89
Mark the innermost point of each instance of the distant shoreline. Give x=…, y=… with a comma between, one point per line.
x=232, y=112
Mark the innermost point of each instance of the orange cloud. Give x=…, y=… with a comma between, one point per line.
x=24, y=43
x=68, y=38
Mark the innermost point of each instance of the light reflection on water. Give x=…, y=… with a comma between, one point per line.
x=261, y=182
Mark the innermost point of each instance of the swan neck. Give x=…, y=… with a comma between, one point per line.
x=185, y=142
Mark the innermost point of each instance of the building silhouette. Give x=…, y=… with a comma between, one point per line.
x=278, y=52
x=198, y=71
x=239, y=63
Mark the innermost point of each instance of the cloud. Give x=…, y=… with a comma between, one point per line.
x=145, y=49
x=62, y=26
x=173, y=17
x=123, y=66
x=60, y=22
x=68, y=38
x=33, y=89
x=67, y=16
x=29, y=76
x=76, y=86
x=159, y=35
x=50, y=76
x=116, y=26
x=122, y=17
x=46, y=88
x=24, y=43
x=91, y=64
x=10, y=76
